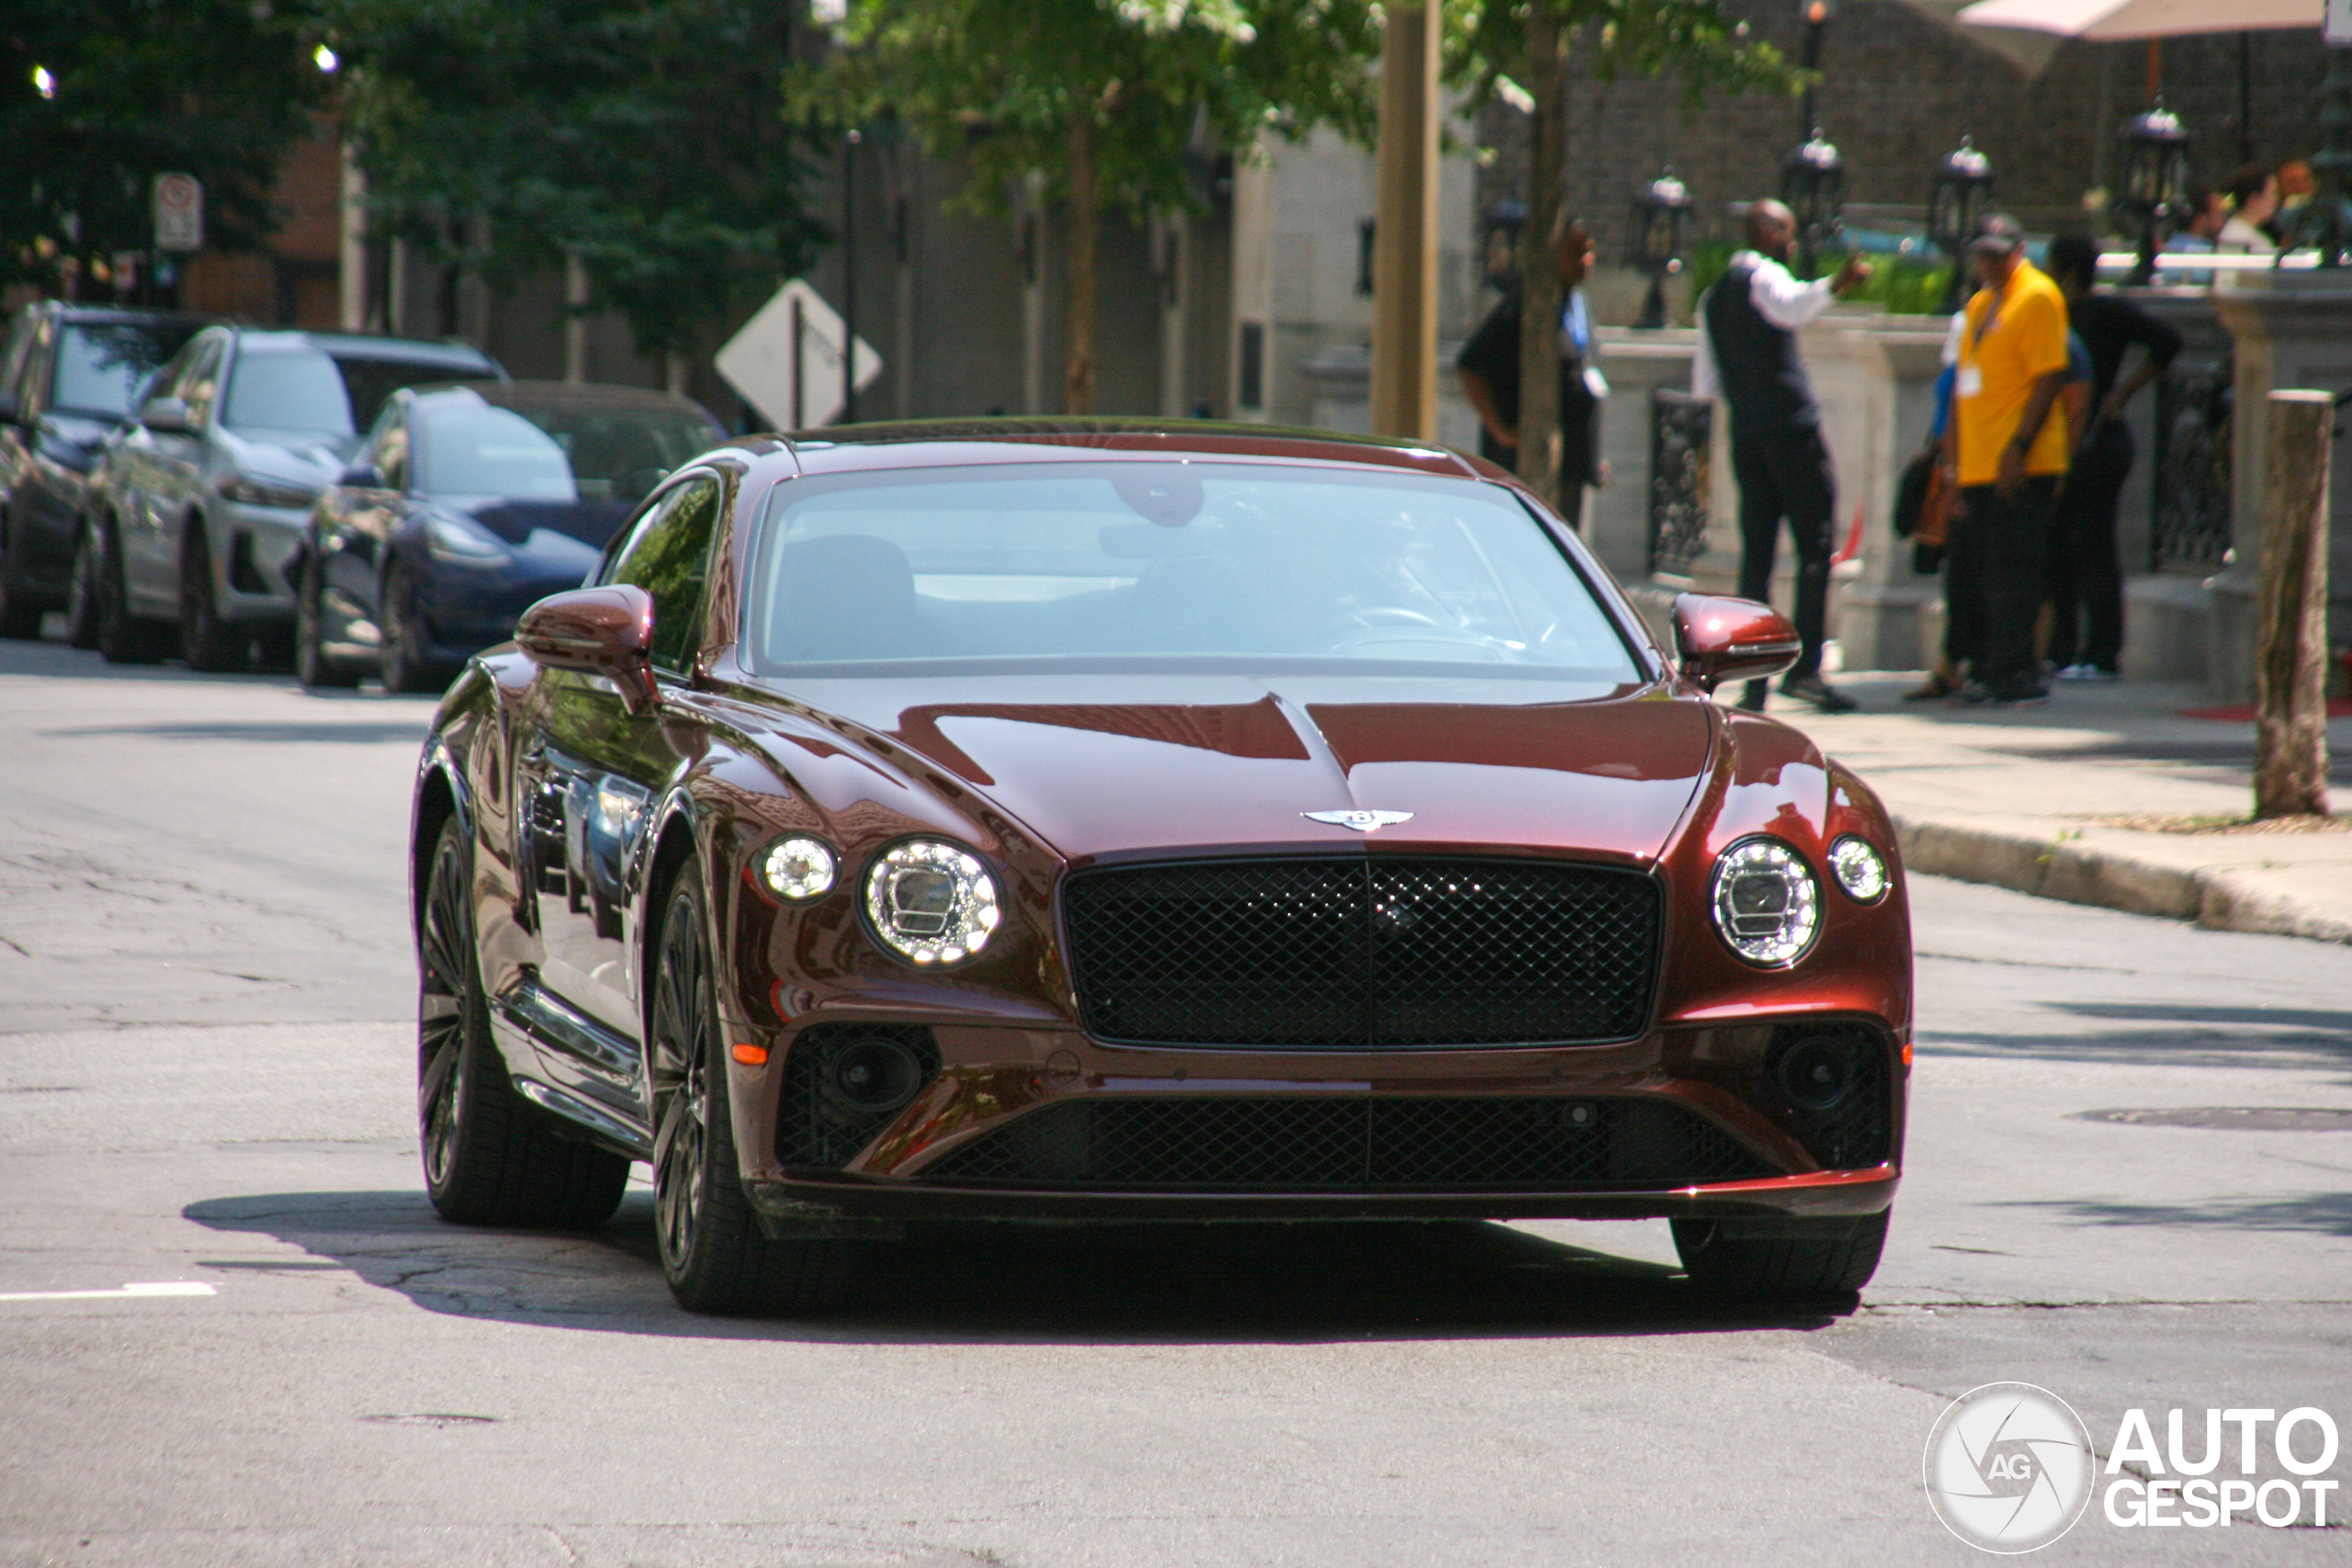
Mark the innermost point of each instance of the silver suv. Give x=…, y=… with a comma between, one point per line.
x=203, y=501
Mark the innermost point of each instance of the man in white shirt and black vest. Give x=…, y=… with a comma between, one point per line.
x=1748, y=356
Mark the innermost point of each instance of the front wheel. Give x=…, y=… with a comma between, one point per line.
x=314, y=666
x=1780, y=1260
x=407, y=667
x=491, y=1159
x=211, y=642
x=20, y=608
x=713, y=1251
x=124, y=638
x=82, y=590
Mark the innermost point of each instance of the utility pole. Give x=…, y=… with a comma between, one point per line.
x=1404, y=304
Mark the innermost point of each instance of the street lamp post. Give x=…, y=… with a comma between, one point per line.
x=1958, y=194
x=1813, y=186
x=2154, y=180
x=2326, y=220
x=1816, y=17
x=1661, y=209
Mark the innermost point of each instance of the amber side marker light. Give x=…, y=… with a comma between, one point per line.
x=751, y=1055
x=1906, y=1053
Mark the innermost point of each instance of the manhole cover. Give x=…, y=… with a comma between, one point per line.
x=2239, y=1118
x=431, y=1418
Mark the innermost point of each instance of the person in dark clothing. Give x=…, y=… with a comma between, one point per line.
x=2086, y=576
x=1489, y=367
x=1748, y=356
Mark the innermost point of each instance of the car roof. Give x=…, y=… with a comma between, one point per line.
x=358, y=345
x=93, y=315
x=920, y=444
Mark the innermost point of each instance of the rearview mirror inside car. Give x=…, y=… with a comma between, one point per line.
x=168, y=415
x=1719, y=639
x=599, y=631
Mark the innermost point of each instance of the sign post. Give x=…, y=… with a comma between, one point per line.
x=179, y=213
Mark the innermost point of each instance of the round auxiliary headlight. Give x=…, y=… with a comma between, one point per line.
x=931, y=902
x=1766, y=904
x=798, y=869
x=1859, y=869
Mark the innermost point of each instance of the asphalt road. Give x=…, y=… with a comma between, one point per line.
x=205, y=1079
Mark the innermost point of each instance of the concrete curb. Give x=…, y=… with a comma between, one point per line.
x=2218, y=897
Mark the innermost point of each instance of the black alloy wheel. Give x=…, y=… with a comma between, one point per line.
x=491, y=1157
x=123, y=637
x=1808, y=1259
x=406, y=668
x=208, y=642
x=714, y=1253
x=82, y=587
x=20, y=608
x=314, y=666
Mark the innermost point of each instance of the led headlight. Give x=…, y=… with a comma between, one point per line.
x=798, y=869
x=931, y=902
x=250, y=490
x=462, y=544
x=1765, y=903
x=1859, y=868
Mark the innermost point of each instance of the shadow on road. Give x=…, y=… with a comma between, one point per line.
x=2168, y=1035
x=365, y=733
x=1007, y=1283
x=2322, y=1213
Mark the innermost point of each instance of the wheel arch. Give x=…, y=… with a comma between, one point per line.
x=676, y=843
x=440, y=796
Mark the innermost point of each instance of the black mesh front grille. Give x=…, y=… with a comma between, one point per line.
x=1353, y=1143
x=1347, y=951
x=820, y=1130
x=1857, y=1130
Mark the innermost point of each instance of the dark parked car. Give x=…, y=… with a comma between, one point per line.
x=1094, y=821
x=467, y=505
x=205, y=498
x=69, y=374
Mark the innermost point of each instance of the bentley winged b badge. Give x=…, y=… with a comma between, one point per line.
x=1362, y=821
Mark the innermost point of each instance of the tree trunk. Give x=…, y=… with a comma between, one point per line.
x=2290, y=608
x=1539, y=273
x=1085, y=222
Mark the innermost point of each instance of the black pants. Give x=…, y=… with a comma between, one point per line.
x=1786, y=473
x=2086, y=576
x=1571, y=490
x=1994, y=576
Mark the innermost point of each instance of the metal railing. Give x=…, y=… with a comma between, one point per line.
x=2189, y=491
x=1681, y=435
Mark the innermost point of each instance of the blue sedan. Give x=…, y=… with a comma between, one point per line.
x=467, y=505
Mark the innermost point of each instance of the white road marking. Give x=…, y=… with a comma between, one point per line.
x=150, y=1288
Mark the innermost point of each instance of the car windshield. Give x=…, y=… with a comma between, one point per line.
x=1089, y=563
x=553, y=451
x=311, y=390
x=102, y=367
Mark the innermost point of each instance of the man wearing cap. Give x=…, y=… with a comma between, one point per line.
x=2009, y=455
x=1748, y=356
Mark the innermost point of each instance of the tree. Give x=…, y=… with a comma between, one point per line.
x=128, y=89
x=643, y=138
x=1527, y=40
x=1101, y=98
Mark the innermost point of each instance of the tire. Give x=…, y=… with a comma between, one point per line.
x=123, y=637
x=209, y=643
x=312, y=666
x=1828, y=1259
x=714, y=1253
x=405, y=667
x=20, y=608
x=82, y=591
x=491, y=1157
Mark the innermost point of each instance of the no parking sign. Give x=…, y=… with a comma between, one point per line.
x=179, y=212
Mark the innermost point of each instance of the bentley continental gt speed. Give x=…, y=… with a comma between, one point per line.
x=1091, y=821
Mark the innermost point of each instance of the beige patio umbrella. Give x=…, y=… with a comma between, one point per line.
x=2112, y=20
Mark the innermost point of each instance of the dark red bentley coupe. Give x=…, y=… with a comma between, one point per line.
x=1084, y=820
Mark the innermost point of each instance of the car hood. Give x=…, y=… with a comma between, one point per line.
x=1115, y=766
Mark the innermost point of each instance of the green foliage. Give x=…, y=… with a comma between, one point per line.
x=1692, y=39
x=1001, y=83
x=213, y=88
x=1906, y=288
x=645, y=136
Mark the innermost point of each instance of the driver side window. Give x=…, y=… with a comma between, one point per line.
x=669, y=556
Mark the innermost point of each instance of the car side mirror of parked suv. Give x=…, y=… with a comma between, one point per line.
x=600, y=631
x=1720, y=639
x=165, y=415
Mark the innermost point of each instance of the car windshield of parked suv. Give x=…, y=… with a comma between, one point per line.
x=309, y=391
x=1090, y=562
x=552, y=450
x=103, y=367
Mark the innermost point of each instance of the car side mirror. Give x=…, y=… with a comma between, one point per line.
x=166, y=416
x=360, y=476
x=600, y=631
x=9, y=412
x=1720, y=639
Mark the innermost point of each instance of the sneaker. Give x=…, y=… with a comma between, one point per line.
x=2079, y=673
x=1972, y=694
x=2027, y=696
x=1934, y=688
x=2097, y=673
x=1825, y=697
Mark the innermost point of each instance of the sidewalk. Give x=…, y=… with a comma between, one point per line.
x=2060, y=801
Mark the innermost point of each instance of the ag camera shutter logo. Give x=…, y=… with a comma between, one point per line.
x=2008, y=1467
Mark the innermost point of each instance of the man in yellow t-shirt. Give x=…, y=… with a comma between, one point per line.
x=2010, y=455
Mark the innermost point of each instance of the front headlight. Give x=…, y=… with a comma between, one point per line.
x=798, y=869
x=461, y=544
x=1765, y=903
x=246, y=489
x=1859, y=869
x=931, y=902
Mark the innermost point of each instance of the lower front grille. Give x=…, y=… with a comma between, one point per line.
x=1854, y=1128
x=1298, y=1142
x=843, y=1083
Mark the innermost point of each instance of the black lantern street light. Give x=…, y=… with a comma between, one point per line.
x=1957, y=195
x=1661, y=211
x=1498, y=233
x=1812, y=188
x=2153, y=182
x=1816, y=17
